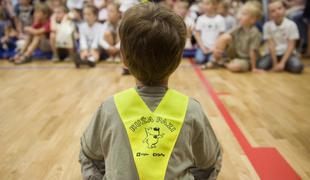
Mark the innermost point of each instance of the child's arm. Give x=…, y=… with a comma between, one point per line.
x=83, y=41
x=91, y=169
x=199, y=41
x=91, y=155
x=254, y=48
x=291, y=46
x=272, y=51
x=253, y=59
x=34, y=32
x=206, y=148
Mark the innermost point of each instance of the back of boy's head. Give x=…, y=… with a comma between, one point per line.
x=254, y=8
x=152, y=42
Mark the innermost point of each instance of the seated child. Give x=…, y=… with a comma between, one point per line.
x=241, y=44
x=127, y=138
x=281, y=35
x=110, y=41
x=37, y=35
x=181, y=8
x=90, y=32
x=230, y=21
x=23, y=15
x=61, y=37
x=208, y=28
x=8, y=35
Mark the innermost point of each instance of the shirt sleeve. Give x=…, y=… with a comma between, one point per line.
x=293, y=32
x=91, y=139
x=91, y=169
x=222, y=24
x=206, y=148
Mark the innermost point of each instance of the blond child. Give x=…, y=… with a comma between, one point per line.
x=241, y=44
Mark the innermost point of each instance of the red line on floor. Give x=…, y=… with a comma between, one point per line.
x=267, y=162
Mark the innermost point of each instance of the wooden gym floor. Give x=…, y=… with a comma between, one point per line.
x=45, y=107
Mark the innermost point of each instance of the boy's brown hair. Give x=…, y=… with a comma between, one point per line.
x=152, y=42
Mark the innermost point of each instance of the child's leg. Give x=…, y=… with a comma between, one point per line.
x=220, y=46
x=265, y=62
x=294, y=65
x=33, y=45
x=84, y=54
x=53, y=45
x=27, y=43
x=238, y=65
x=108, y=36
x=200, y=57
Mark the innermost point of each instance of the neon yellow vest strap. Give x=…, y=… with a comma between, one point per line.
x=152, y=135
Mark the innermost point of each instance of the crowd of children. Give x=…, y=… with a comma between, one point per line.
x=239, y=35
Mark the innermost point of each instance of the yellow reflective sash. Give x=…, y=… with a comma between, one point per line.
x=152, y=135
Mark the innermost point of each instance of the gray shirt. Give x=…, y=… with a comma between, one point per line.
x=106, y=152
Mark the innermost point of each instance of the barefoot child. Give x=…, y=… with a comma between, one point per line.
x=140, y=133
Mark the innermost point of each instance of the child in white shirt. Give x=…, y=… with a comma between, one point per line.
x=208, y=28
x=281, y=35
x=90, y=32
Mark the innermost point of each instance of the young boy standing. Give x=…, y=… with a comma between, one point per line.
x=151, y=131
x=241, y=44
x=208, y=28
x=281, y=35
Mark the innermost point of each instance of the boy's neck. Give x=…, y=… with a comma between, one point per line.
x=164, y=83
